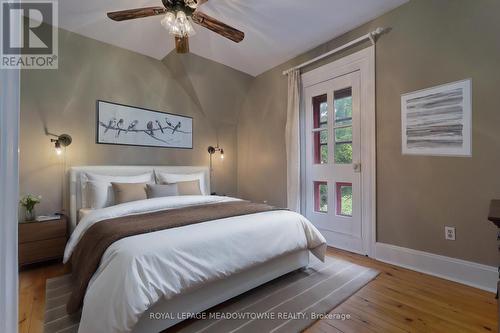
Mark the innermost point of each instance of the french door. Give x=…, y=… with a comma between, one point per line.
x=333, y=160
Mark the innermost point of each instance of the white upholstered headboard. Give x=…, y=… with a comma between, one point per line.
x=114, y=170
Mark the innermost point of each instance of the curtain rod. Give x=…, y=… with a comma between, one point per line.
x=372, y=36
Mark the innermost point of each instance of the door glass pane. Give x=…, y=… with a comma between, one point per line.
x=343, y=153
x=321, y=197
x=343, y=107
x=323, y=112
x=321, y=147
x=343, y=134
x=320, y=121
x=344, y=199
x=343, y=145
x=320, y=111
x=343, y=126
x=323, y=137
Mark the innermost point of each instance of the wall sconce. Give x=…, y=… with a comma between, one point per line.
x=62, y=140
x=213, y=150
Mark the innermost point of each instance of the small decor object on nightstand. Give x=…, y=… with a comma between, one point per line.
x=28, y=202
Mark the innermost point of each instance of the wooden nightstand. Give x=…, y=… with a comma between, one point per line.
x=42, y=241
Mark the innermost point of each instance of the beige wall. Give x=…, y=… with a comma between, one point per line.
x=432, y=42
x=63, y=101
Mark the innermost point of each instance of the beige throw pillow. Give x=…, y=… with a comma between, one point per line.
x=189, y=188
x=127, y=192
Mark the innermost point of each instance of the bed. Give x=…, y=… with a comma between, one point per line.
x=150, y=282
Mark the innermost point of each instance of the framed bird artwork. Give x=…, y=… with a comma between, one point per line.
x=119, y=124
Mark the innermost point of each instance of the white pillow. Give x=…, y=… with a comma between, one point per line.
x=99, y=195
x=172, y=178
x=98, y=192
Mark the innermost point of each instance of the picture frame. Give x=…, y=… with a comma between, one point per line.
x=437, y=121
x=120, y=124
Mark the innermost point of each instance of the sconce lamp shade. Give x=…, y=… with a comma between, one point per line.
x=212, y=150
x=62, y=140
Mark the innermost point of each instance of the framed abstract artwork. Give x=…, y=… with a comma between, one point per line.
x=119, y=124
x=438, y=121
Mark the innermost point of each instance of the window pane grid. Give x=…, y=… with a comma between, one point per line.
x=320, y=130
x=321, y=196
x=343, y=193
x=342, y=126
x=320, y=111
x=343, y=120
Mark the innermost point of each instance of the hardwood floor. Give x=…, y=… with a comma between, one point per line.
x=398, y=300
x=32, y=296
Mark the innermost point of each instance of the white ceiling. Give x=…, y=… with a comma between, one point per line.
x=275, y=30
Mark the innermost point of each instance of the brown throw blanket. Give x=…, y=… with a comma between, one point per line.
x=88, y=253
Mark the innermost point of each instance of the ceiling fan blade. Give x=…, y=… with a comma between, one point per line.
x=130, y=14
x=218, y=27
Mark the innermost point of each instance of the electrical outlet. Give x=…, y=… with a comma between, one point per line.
x=449, y=233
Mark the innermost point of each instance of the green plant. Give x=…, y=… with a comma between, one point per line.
x=29, y=202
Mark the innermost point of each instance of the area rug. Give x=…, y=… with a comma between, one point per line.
x=290, y=303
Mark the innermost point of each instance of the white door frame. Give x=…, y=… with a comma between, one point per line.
x=9, y=197
x=364, y=62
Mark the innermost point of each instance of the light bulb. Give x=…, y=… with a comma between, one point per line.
x=168, y=20
x=181, y=26
x=178, y=24
x=222, y=154
x=57, y=146
x=175, y=29
x=181, y=16
x=189, y=30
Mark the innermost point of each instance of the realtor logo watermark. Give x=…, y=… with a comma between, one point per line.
x=29, y=35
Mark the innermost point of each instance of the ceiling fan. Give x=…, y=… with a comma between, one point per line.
x=177, y=16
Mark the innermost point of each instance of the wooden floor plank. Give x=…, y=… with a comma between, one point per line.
x=398, y=300
x=376, y=323
x=473, y=314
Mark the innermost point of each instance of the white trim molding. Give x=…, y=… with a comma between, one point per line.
x=9, y=197
x=10, y=91
x=466, y=272
x=364, y=62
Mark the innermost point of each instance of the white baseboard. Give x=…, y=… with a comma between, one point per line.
x=461, y=271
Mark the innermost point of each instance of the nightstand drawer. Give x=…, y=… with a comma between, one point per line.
x=36, y=231
x=41, y=250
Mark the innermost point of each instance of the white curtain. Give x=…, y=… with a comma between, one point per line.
x=293, y=141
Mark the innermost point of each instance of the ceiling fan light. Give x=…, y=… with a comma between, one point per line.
x=189, y=30
x=182, y=27
x=175, y=29
x=168, y=20
x=181, y=16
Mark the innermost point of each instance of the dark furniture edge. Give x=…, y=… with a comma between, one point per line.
x=494, y=214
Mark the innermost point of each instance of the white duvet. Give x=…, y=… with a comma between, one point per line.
x=136, y=272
